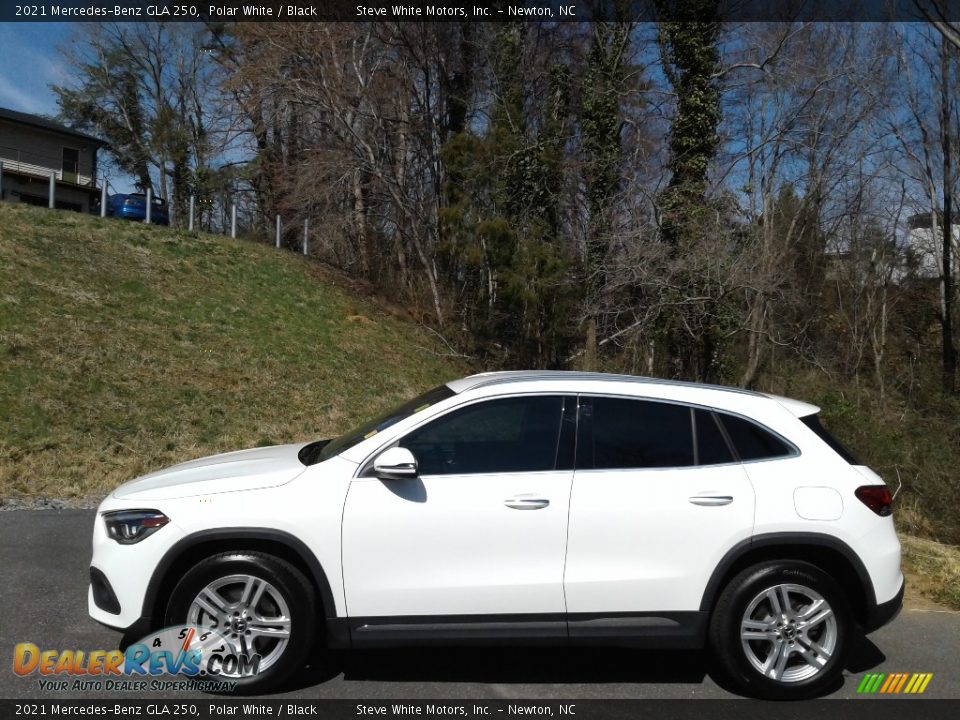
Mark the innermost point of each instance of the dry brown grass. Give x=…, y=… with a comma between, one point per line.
x=932, y=569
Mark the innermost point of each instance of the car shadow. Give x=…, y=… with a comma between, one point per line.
x=515, y=665
x=864, y=655
x=539, y=665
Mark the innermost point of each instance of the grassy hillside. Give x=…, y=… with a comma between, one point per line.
x=125, y=348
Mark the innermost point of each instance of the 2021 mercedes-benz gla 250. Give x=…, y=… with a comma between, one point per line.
x=515, y=507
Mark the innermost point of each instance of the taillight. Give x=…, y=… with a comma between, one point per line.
x=876, y=497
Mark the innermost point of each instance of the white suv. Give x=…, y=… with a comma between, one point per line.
x=517, y=507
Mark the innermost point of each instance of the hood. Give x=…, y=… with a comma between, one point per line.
x=242, y=470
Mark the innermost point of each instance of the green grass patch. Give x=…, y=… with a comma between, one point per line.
x=125, y=348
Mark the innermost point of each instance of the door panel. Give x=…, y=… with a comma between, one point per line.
x=483, y=529
x=647, y=539
x=449, y=544
x=637, y=542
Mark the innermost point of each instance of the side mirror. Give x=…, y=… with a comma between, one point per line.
x=397, y=463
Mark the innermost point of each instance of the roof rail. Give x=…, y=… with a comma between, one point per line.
x=514, y=376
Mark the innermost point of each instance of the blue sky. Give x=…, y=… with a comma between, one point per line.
x=25, y=84
x=27, y=87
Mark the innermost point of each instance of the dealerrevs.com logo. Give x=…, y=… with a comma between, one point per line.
x=199, y=654
x=894, y=683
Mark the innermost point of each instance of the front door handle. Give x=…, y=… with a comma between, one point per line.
x=526, y=502
x=711, y=500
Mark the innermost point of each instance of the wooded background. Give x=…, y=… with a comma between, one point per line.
x=760, y=204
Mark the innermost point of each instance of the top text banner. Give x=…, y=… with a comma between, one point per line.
x=477, y=10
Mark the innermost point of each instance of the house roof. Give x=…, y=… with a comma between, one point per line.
x=46, y=124
x=922, y=220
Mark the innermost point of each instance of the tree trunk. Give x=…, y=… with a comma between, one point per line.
x=946, y=313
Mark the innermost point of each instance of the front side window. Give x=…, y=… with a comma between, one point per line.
x=517, y=434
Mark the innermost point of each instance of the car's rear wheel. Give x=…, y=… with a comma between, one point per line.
x=781, y=630
x=260, y=605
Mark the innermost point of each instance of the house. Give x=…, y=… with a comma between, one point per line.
x=33, y=147
x=923, y=247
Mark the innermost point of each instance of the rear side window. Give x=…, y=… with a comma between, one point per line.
x=750, y=441
x=813, y=422
x=637, y=434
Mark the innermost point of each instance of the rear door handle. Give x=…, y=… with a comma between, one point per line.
x=526, y=502
x=711, y=500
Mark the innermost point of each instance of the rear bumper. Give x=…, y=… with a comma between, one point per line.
x=883, y=613
x=139, y=215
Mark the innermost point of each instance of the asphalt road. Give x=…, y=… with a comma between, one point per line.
x=44, y=555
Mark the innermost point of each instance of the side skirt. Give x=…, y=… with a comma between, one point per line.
x=645, y=630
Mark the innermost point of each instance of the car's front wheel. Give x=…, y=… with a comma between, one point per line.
x=781, y=630
x=260, y=605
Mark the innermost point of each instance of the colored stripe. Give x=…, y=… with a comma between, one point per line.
x=867, y=679
x=876, y=683
x=188, y=639
x=913, y=683
x=926, y=682
x=903, y=679
x=889, y=683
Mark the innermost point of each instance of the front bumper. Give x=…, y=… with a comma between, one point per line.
x=122, y=573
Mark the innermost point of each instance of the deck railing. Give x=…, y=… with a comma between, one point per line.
x=40, y=166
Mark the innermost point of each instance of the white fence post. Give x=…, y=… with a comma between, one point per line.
x=149, y=205
x=103, y=198
x=53, y=191
x=233, y=220
x=306, y=236
x=190, y=223
x=278, y=232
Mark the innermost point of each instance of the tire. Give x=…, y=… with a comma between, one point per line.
x=796, y=653
x=278, y=599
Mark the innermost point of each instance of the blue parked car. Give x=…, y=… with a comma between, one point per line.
x=133, y=206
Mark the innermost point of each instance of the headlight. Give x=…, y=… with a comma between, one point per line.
x=131, y=526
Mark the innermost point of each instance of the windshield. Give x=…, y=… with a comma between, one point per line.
x=371, y=428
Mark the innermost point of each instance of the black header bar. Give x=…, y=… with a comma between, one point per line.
x=473, y=10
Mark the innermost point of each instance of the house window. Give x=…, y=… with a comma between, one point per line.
x=71, y=164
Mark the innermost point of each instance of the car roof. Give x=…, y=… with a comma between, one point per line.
x=474, y=382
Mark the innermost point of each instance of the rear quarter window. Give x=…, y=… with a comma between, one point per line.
x=752, y=442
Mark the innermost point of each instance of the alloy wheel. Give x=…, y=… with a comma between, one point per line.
x=250, y=614
x=789, y=633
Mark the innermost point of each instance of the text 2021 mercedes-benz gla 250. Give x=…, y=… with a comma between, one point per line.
x=515, y=507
